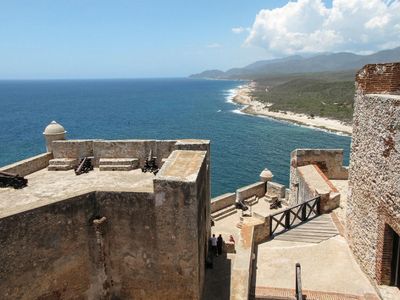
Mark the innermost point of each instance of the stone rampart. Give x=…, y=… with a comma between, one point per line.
x=114, y=244
x=312, y=183
x=140, y=149
x=222, y=201
x=29, y=165
x=255, y=189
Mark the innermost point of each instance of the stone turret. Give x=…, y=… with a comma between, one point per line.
x=53, y=132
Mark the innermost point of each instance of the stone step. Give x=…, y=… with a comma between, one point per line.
x=310, y=226
x=59, y=167
x=226, y=215
x=283, y=237
x=119, y=161
x=270, y=198
x=252, y=201
x=223, y=213
x=309, y=235
x=316, y=230
x=63, y=161
x=116, y=168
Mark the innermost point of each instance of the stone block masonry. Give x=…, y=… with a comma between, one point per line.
x=374, y=175
x=125, y=235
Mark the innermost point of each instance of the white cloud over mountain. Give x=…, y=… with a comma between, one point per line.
x=310, y=26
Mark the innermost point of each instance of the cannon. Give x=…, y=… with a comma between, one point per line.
x=12, y=180
x=85, y=165
x=275, y=204
x=150, y=164
x=241, y=205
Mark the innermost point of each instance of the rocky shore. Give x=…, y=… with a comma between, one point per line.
x=251, y=106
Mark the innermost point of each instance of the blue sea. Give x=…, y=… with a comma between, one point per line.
x=242, y=145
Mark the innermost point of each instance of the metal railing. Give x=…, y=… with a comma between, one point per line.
x=293, y=216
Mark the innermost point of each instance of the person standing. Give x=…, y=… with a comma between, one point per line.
x=220, y=242
x=214, y=245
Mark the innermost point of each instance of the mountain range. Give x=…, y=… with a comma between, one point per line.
x=326, y=62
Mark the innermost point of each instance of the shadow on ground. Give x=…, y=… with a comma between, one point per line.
x=218, y=279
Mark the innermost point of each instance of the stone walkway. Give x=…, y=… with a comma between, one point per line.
x=277, y=293
x=327, y=268
x=218, y=279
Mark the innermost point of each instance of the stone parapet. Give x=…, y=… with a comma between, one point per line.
x=255, y=189
x=329, y=162
x=275, y=189
x=222, y=201
x=29, y=165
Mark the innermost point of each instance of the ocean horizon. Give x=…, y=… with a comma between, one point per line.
x=156, y=108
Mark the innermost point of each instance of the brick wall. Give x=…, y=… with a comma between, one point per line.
x=379, y=79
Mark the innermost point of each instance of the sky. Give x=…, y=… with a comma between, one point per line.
x=47, y=39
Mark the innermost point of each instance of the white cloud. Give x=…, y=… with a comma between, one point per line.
x=214, y=45
x=310, y=26
x=238, y=30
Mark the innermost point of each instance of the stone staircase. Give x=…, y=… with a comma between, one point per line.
x=62, y=164
x=118, y=164
x=252, y=200
x=224, y=212
x=315, y=230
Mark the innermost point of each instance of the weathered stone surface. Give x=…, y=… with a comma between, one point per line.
x=255, y=189
x=374, y=194
x=222, y=201
x=139, y=149
x=107, y=235
x=29, y=165
x=329, y=161
x=182, y=198
x=275, y=189
x=72, y=148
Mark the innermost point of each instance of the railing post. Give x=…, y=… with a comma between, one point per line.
x=270, y=225
x=299, y=292
x=304, y=212
x=287, y=219
x=318, y=205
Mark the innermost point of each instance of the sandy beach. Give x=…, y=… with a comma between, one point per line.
x=251, y=106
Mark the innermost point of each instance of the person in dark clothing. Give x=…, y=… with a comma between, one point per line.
x=220, y=242
x=213, y=241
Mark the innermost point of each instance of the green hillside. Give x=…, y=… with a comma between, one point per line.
x=321, y=94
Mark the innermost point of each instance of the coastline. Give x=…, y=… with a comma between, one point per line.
x=242, y=96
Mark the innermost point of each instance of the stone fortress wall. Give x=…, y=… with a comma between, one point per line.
x=374, y=176
x=310, y=173
x=112, y=244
